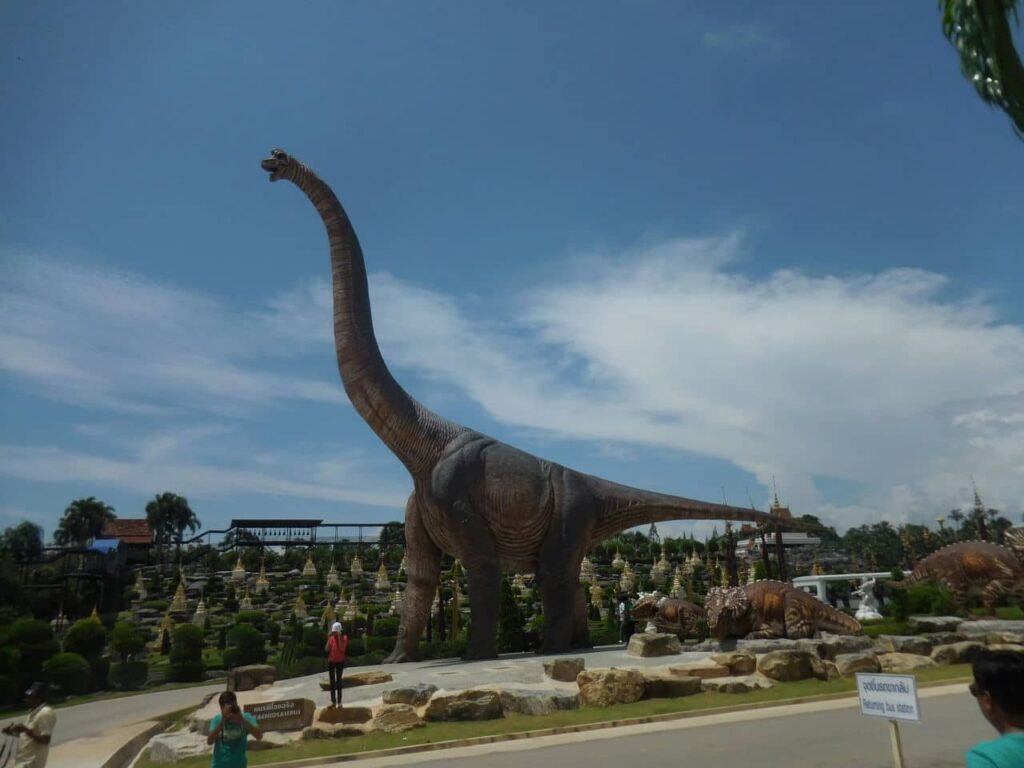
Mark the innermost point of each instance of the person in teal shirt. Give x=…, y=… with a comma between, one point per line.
x=998, y=688
x=229, y=733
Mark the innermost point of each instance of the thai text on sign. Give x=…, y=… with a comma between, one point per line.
x=893, y=697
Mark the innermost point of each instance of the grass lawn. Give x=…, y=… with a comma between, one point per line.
x=434, y=733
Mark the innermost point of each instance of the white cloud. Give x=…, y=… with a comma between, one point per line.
x=877, y=378
x=148, y=474
x=743, y=37
x=118, y=342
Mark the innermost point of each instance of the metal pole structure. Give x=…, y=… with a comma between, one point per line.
x=897, y=746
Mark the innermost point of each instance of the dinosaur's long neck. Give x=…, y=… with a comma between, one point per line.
x=623, y=508
x=412, y=432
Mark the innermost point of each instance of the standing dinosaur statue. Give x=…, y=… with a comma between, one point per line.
x=496, y=508
x=975, y=568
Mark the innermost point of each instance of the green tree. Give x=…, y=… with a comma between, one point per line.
x=24, y=541
x=125, y=640
x=87, y=638
x=83, y=520
x=169, y=515
x=981, y=32
x=186, y=654
x=510, y=620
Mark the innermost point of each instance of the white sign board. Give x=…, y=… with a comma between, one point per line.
x=893, y=697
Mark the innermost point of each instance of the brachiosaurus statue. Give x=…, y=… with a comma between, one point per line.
x=496, y=508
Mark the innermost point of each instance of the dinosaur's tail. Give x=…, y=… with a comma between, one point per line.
x=837, y=622
x=622, y=508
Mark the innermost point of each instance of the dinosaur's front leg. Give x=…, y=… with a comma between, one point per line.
x=424, y=571
x=798, y=625
x=764, y=632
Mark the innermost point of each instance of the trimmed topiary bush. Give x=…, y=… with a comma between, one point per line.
x=125, y=640
x=386, y=627
x=257, y=618
x=129, y=675
x=248, y=647
x=186, y=672
x=69, y=671
x=87, y=638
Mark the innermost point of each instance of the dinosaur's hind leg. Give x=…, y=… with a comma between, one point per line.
x=424, y=571
x=992, y=592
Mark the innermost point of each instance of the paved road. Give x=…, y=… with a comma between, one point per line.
x=832, y=734
x=93, y=718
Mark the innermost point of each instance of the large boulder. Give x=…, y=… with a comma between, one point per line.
x=273, y=740
x=413, y=695
x=471, y=704
x=934, y=623
x=786, y=666
x=646, y=644
x=757, y=647
x=830, y=645
x=904, y=662
x=701, y=668
x=527, y=702
x=957, y=653
x=348, y=715
x=1016, y=648
x=943, y=638
x=661, y=686
x=396, y=718
x=906, y=644
x=564, y=670
x=738, y=684
x=850, y=663
x=737, y=663
x=1010, y=631
x=354, y=679
x=173, y=747
x=604, y=687
x=250, y=676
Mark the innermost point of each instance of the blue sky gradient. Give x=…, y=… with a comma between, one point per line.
x=683, y=246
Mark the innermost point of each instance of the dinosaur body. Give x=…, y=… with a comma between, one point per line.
x=496, y=508
x=971, y=569
x=767, y=609
x=669, y=614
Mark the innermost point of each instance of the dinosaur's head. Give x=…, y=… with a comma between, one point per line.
x=645, y=607
x=280, y=165
x=725, y=609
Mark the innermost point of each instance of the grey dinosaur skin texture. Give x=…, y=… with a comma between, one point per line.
x=496, y=508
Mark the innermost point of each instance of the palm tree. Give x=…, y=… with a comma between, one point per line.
x=169, y=515
x=83, y=520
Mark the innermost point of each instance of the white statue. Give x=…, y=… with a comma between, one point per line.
x=868, y=608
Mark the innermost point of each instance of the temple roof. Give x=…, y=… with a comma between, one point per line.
x=128, y=530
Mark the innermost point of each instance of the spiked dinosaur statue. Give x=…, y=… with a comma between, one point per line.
x=767, y=609
x=669, y=614
x=975, y=568
x=496, y=508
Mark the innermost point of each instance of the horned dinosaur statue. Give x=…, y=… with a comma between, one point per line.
x=973, y=568
x=496, y=508
x=669, y=614
x=768, y=609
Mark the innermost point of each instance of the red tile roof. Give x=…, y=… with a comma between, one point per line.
x=129, y=531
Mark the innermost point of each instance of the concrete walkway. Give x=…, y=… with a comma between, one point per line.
x=88, y=735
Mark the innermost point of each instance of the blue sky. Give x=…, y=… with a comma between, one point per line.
x=682, y=246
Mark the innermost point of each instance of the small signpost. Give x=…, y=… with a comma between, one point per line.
x=893, y=697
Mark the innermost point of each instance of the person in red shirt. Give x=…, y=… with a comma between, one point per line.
x=336, y=645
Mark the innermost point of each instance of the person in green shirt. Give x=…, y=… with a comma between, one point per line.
x=998, y=688
x=229, y=732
